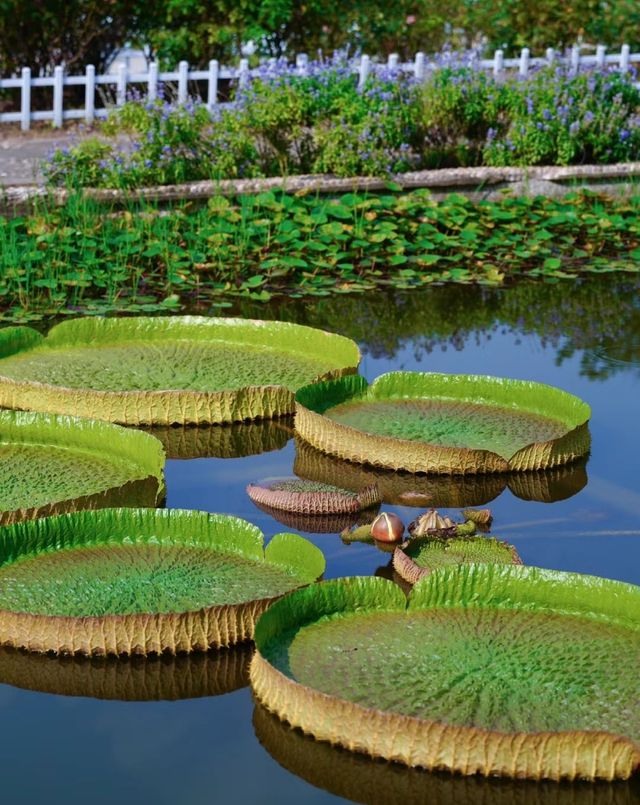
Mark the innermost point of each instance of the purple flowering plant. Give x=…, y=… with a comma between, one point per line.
x=318, y=118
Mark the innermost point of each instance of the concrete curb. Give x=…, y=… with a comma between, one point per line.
x=475, y=183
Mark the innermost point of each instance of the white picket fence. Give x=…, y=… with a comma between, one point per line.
x=364, y=66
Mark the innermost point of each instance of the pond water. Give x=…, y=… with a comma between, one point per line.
x=216, y=746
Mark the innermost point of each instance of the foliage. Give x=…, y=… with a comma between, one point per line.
x=41, y=35
x=284, y=123
x=79, y=257
x=559, y=118
x=198, y=30
x=77, y=32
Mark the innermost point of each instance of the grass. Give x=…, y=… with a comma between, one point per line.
x=84, y=257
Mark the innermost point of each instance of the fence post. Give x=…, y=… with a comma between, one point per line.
x=624, y=58
x=183, y=81
x=574, y=59
x=25, y=99
x=523, y=67
x=392, y=61
x=418, y=67
x=498, y=62
x=58, y=86
x=363, y=73
x=243, y=75
x=601, y=56
x=89, y=94
x=212, y=90
x=152, y=83
x=302, y=63
x=550, y=55
x=121, y=85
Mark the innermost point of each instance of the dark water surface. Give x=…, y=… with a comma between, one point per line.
x=215, y=746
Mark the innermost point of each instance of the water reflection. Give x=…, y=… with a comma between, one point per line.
x=318, y=523
x=599, y=315
x=439, y=491
x=156, y=678
x=224, y=441
x=358, y=778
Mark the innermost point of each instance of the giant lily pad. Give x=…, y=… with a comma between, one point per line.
x=489, y=669
x=140, y=581
x=420, y=556
x=450, y=424
x=51, y=464
x=185, y=370
x=135, y=678
x=441, y=491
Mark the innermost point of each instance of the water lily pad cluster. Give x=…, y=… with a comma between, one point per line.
x=506, y=670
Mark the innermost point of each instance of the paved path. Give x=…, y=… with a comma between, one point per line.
x=21, y=154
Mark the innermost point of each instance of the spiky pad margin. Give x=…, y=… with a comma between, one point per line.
x=562, y=755
x=169, y=407
x=135, y=679
x=355, y=445
x=152, y=633
x=412, y=572
x=358, y=778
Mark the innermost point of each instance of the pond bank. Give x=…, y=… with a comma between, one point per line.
x=476, y=183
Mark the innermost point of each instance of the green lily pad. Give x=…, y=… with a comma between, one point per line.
x=135, y=678
x=167, y=370
x=420, y=556
x=139, y=581
x=488, y=669
x=450, y=424
x=52, y=464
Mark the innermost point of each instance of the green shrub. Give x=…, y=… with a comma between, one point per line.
x=562, y=119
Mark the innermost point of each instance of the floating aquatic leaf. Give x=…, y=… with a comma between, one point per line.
x=167, y=370
x=448, y=424
x=487, y=669
x=422, y=555
x=141, y=581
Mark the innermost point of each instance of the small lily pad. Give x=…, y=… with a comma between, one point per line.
x=299, y=496
x=167, y=370
x=140, y=581
x=422, y=555
x=487, y=669
x=447, y=424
